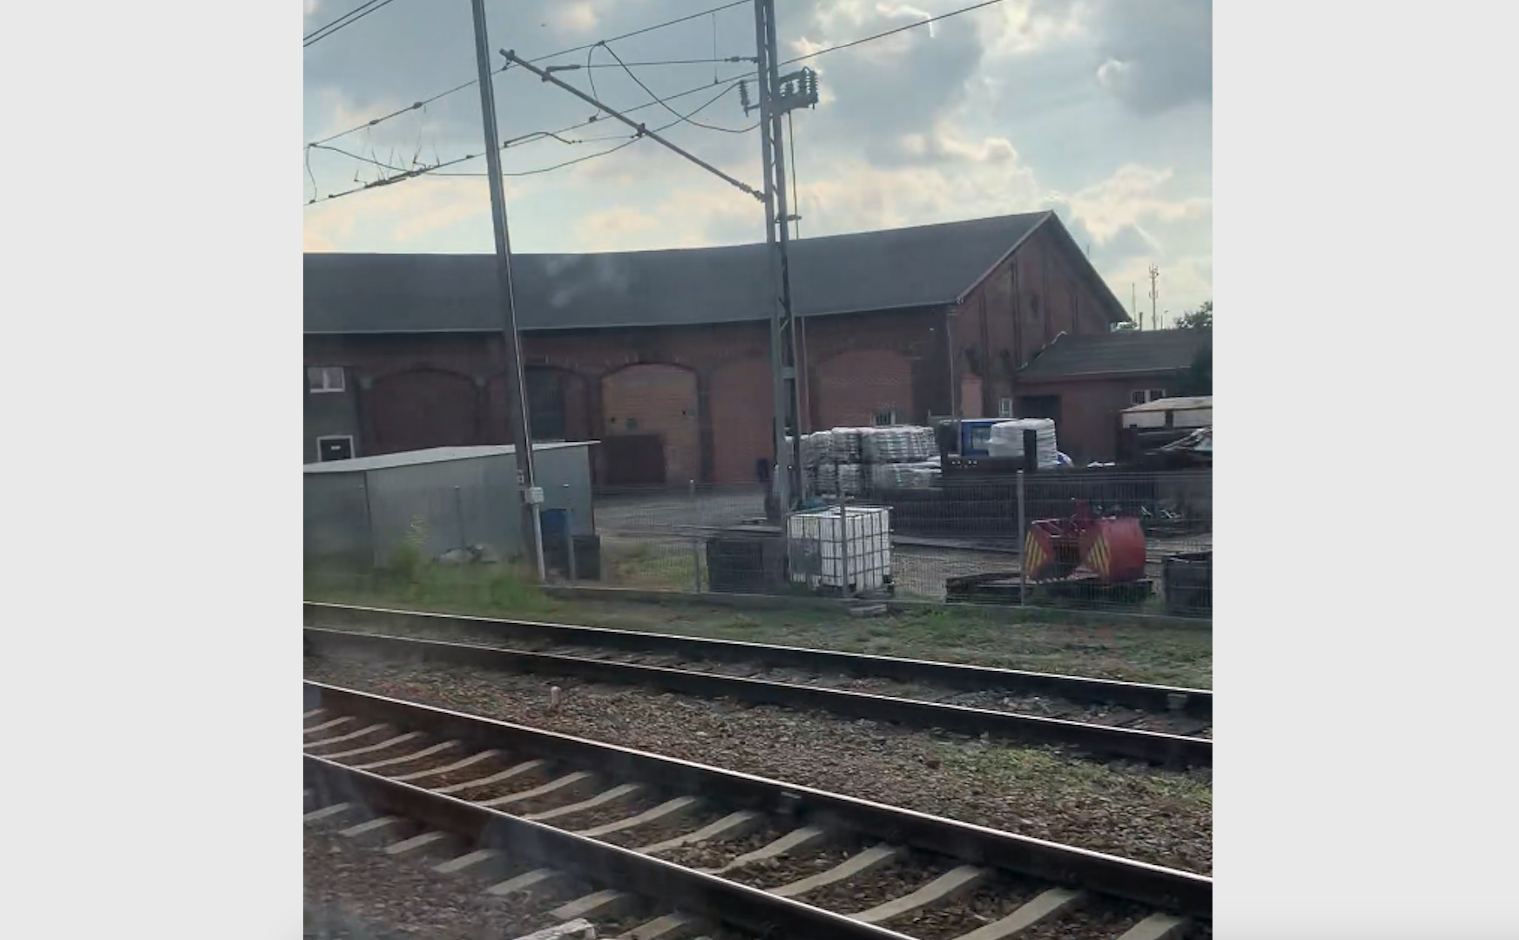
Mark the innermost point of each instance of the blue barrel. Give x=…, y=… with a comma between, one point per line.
x=555, y=523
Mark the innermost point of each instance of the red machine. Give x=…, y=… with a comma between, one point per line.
x=1112, y=549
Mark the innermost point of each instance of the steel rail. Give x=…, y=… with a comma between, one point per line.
x=1194, y=703
x=674, y=885
x=1127, y=743
x=1184, y=893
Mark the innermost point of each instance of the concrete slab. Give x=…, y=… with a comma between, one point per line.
x=312, y=714
x=1158, y=927
x=507, y=774
x=327, y=725
x=329, y=812
x=527, y=881
x=350, y=736
x=419, y=844
x=618, y=794
x=407, y=758
x=1049, y=904
x=665, y=812
x=867, y=861
x=373, y=831
x=607, y=903
x=371, y=748
x=478, y=860
x=669, y=927
x=469, y=761
x=951, y=884
x=731, y=826
x=575, y=783
x=796, y=839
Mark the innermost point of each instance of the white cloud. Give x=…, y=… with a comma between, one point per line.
x=575, y=18
x=1128, y=198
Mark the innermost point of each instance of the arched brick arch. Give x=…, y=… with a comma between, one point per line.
x=559, y=405
x=853, y=386
x=742, y=409
x=424, y=407
x=646, y=401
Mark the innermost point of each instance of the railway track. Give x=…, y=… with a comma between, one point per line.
x=676, y=849
x=1111, y=735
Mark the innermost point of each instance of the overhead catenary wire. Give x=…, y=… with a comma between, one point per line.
x=472, y=82
x=731, y=83
x=438, y=170
x=344, y=21
x=660, y=101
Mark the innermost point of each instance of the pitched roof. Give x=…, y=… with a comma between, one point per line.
x=926, y=265
x=1123, y=352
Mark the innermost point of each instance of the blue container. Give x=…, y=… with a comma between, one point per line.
x=555, y=523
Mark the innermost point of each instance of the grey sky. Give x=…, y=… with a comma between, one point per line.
x=1100, y=109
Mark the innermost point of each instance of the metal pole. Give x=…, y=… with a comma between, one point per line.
x=569, y=540
x=782, y=325
x=1022, y=546
x=528, y=495
x=695, y=551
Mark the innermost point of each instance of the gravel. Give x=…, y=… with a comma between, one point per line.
x=1142, y=813
x=988, y=904
x=354, y=892
x=993, y=699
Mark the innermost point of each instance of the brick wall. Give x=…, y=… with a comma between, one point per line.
x=427, y=390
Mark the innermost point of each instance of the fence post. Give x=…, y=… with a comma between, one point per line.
x=459, y=518
x=1022, y=546
x=695, y=539
x=843, y=534
x=569, y=539
x=374, y=550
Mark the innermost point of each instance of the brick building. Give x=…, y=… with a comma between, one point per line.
x=1084, y=382
x=664, y=356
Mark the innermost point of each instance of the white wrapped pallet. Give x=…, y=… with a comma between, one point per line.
x=1006, y=440
x=830, y=547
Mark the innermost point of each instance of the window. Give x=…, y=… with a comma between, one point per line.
x=324, y=378
x=1137, y=397
x=1157, y=394
x=1005, y=408
x=1141, y=395
x=886, y=417
x=334, y=447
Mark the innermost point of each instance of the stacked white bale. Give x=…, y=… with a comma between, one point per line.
x=1006, y=440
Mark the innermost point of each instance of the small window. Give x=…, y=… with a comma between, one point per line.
x=1156, y=394
x=1137, y=397
x=324, y=378
x=1005, y=408
x=886, y=417
x=334, y=447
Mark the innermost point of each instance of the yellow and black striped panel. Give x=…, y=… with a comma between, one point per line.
x=1033, y=555
x=1098, y=559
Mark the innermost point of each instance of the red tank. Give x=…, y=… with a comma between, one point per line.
x=1111, y=548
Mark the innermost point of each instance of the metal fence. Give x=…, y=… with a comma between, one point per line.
x=957, y=542
x=960, y=541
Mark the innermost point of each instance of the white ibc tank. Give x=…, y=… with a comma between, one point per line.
x=1006, y=440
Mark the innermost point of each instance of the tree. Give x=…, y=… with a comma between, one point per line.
x=1199, y=319
x=1198, y=379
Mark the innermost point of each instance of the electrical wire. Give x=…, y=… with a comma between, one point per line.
x=892, y=32
x=438, y=169
x=660, y=101
x=474, y=81
x=732, y=82
x=346, y=20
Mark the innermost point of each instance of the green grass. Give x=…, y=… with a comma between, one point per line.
x=1024, y=769
x=1089, y=644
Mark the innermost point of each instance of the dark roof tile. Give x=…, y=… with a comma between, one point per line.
x=925, y=265
x=1117, y=353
